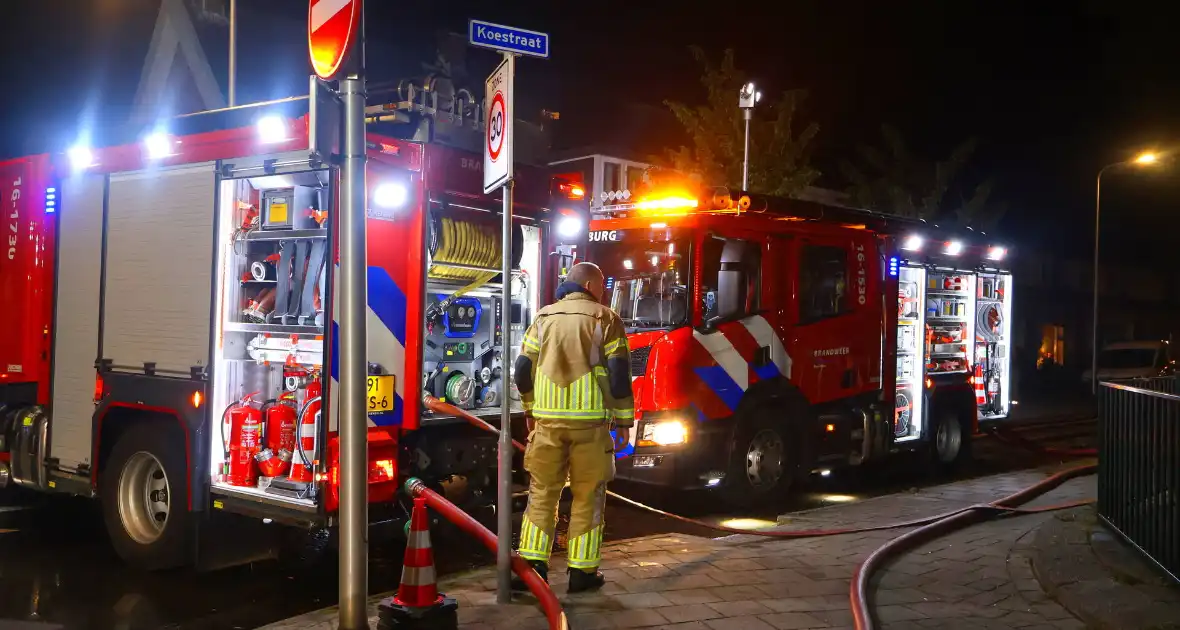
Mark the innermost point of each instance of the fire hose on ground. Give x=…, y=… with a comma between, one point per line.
x=438, y=406
x=858, y=593
x=927, y=527
x=540, y=588
x=1023, y=442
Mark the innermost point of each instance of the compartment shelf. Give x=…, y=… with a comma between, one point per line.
x=276, y=329
x=283, y=235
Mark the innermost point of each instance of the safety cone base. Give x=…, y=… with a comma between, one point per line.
x=442, y=615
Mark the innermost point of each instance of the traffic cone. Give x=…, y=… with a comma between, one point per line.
x=980, y=391
x=418, y=604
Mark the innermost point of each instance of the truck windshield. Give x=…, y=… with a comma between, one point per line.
x=1127, y=358
x=647, y=274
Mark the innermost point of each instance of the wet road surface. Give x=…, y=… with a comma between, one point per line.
x=57, y=567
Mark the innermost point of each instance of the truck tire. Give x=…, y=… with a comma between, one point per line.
x=950, y=444
x=145, y=499
x=766, y=454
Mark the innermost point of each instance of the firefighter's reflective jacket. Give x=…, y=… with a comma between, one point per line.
x=575, y=365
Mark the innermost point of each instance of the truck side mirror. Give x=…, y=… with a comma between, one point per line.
x=732, y=285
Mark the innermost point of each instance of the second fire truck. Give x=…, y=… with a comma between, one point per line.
x=772, y=338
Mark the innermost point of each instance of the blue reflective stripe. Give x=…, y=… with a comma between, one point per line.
x=768, y=371
x=392, y=419
x=719, y=381
x=388, y=301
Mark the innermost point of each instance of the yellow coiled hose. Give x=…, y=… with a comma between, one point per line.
x=465, y=243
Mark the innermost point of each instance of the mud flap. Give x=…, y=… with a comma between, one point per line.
x=224, y=540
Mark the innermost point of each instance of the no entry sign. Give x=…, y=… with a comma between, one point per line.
x=332, y=28
x=497, y=150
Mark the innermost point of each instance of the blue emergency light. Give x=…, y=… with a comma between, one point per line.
x=893, y=263
x=50, y=200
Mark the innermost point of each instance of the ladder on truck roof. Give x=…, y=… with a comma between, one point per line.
x=432, y=110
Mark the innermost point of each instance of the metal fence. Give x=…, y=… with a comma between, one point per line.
x=1162, y=384
x=1139, y=470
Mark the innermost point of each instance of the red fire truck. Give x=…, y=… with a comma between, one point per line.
x=169, y=327
x=773, y=338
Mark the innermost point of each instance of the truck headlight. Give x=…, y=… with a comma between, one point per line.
x=664, y=433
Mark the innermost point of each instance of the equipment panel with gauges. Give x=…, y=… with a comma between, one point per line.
x=461, y=318
x=464, y=361
x=463, y=364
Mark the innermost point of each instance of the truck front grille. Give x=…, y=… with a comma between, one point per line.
x=639, y=360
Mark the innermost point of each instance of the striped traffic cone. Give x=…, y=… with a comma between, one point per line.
x=980, y=391
x=418, y=604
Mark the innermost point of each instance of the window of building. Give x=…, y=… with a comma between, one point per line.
x=1052, y=350
x=611, y=174
x=634, y=178
x=823, y=282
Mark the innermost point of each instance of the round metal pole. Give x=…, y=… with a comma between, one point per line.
x=1094, y=315
x=233, y=52
x=504, y=481
x=747, y=114
x=354, y=487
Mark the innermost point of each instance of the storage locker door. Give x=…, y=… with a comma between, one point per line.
x=76, y=331
x=160, y=268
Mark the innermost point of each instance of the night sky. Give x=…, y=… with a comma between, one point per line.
x=1052, y=93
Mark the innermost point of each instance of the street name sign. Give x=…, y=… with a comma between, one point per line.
x=509, y=39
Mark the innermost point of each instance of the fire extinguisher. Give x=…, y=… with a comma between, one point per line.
x=303, y=463
x=278, y=435
x=244, y=441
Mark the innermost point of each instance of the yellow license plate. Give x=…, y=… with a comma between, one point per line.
x=380, y=393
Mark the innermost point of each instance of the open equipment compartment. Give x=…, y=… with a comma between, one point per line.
x=911, y=373
x=950, y=321
x=463, y=358
x=993, y=335
x=271, y=285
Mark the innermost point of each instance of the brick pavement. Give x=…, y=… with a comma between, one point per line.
x=976, y=578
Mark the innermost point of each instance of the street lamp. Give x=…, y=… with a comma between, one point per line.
x=747, y=98
x=1147, y=158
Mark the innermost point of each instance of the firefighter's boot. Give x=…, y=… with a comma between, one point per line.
x=542, y=569
x=581, y=581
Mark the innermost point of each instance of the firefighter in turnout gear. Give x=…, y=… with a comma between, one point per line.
x=574, y=377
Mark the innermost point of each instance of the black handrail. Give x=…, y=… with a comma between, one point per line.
x=1139, y=468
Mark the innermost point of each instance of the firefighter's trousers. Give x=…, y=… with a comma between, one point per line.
x=584, y=452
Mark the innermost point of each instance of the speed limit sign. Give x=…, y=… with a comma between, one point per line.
x=496, y=131
x=497, y=152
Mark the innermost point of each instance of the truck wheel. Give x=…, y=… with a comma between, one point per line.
x=950, y=446
x=144, y=498
x=765, y=459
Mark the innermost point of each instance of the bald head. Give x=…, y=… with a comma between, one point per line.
x=588, y=276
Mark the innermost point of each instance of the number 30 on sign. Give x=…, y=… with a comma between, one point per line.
x=380, y=393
